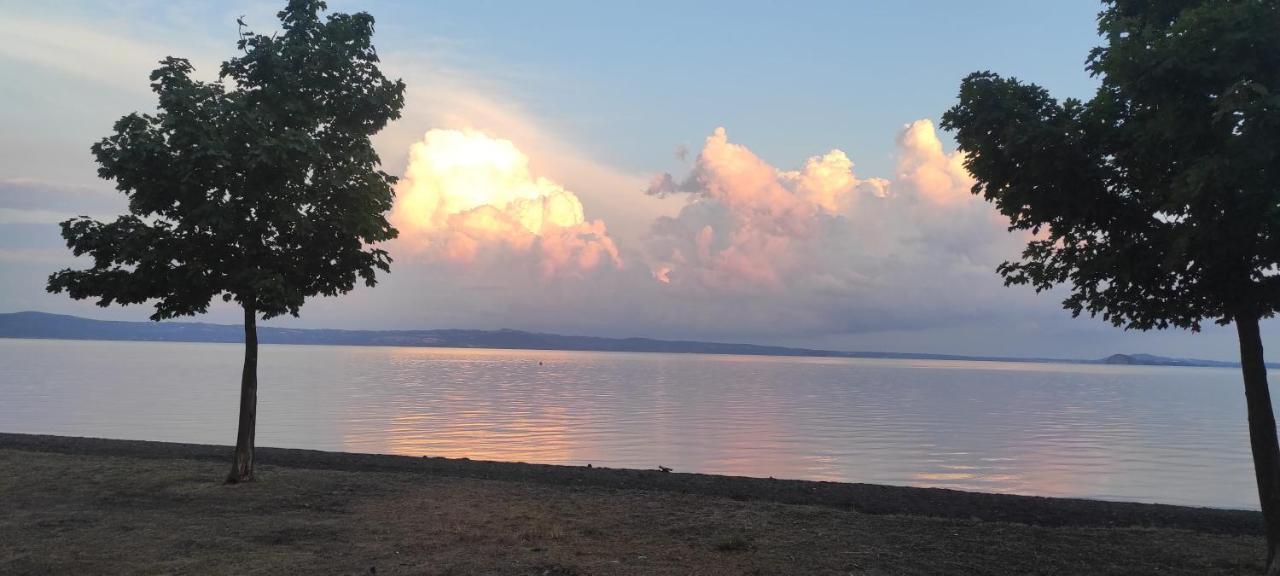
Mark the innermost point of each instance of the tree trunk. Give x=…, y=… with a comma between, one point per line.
x=1262, y=433
x=242, y=467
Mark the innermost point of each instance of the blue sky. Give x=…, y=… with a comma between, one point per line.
x=598, y=99
x=836, y=74
x=843, y=74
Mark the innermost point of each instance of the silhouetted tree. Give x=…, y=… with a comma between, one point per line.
x=265, y=191
x=1157, y=201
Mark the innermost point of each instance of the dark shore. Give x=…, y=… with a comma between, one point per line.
x=82, y=505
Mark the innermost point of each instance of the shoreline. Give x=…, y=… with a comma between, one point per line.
x=84, y=505
x=46, y=326
x=875, y=499
x=833, y=355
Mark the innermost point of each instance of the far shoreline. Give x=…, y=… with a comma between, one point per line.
x=906, y=357
x=47, y=326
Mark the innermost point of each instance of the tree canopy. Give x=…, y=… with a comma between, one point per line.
x=1158, y=200
x=261, y=187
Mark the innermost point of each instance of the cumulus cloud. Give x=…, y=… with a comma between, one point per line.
x=448, y=91
x=925, y=168
x=750, y=224
x=821, y=249
x=466, y=196
x=756, y=252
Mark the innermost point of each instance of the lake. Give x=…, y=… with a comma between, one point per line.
x=1148, y=434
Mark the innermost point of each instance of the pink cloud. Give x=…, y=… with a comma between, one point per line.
x=465, y=195
x=759, y=219
x=751, y=226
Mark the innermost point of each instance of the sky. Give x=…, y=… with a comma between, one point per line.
x=730, y=171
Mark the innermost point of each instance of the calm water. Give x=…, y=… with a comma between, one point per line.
x=1173, y=435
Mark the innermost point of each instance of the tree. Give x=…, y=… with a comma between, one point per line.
x=265, y=192
x=1157, y=201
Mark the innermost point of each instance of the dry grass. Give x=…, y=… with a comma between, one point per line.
x=65, y=514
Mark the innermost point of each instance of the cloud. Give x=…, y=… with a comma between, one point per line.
x=923, y=166
x=821, y=249
x=465, y=196
x=749, y=223
x=445, y=91
x=755, y=252
x=84, y=50
x=812, y=253
x=35, y=201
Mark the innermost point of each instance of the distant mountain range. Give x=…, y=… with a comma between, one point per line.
x=60, y=326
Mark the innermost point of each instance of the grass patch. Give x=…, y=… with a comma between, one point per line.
x=733, y=544
x=79, y=514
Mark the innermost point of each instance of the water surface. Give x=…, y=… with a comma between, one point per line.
x=1150, y=434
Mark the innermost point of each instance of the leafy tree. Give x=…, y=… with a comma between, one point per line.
x=264, y=190
x=1157, y=201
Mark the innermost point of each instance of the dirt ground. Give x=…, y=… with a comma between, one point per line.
x=128, y=513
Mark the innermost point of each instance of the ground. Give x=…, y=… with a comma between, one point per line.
x=81, y=507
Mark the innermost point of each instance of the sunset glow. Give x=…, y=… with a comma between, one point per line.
x=660, y=288
x=465, y=194
x=796, y=196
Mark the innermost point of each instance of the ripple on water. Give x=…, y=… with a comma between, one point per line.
x=1127, y=433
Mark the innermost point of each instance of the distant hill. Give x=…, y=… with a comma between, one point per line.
x=1152, y=360
x=44, y=325
x=60, y=326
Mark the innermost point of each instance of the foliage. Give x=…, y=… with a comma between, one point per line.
x=1157, y=201
x=262, y=187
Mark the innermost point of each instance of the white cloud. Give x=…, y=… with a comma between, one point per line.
x=442, y=96
x=926, y=169
x=465, y=194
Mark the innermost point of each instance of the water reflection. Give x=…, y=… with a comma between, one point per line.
x=1134, y=433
